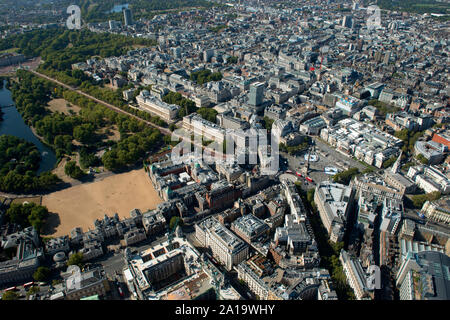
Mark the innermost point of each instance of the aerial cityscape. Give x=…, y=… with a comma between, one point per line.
x=224, y=150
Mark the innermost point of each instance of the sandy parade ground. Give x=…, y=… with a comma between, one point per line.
x=80, y=205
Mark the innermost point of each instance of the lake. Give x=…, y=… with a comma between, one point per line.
x=13, y=124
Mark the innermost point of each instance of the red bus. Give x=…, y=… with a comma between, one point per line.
x=28, y=284
x=309, y=179
x=11, y=289
x=298, y=173
x=120, y=291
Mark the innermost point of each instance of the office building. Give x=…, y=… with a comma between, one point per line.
x=392, y=212
x=334, y=201
x=438, y=210
x=424, y=276
x=201, y=127
x=347, y=22
x=256, y=95
x=429, y=178
x=151, y=104
x=250, y=228
x=225, y=246
x=81, y=284
x=128, y=20
x=355, y=274
x=433, y=151
x=349, y=105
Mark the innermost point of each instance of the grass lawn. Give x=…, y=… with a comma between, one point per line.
x=11, y=50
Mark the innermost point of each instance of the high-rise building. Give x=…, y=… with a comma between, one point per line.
x=256, y=95
x=387, y=57
x=208, y=54
x=347, y=22
x=128, y=20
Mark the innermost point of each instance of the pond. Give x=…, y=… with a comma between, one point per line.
x=13, y=124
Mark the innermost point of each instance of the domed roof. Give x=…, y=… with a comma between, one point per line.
x=59, y=256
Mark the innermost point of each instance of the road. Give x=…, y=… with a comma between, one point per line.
x=326, y=157
x=113, y=262
x=335, y=157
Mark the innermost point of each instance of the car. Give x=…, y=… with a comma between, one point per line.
x=420, y=214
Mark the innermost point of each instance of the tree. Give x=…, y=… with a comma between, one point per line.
x=84, y=133
x=389, y=162
x=310, y=195
x=204, y=76
x=418, y=200
x=422, y=158
x=76, y=259
x=16, y=214
x=10, y=295
x=27, y=214
x=232, y=59
x=33, y=290
x=268, y=123
x=41, y=274
x=345, y=177
x=409, y=138
x=173, y=222
x=37, y=217
x=73, y=171
x=19, y=162
x=208, y=114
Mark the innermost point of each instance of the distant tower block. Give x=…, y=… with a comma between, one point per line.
x=347, y=21
x=256, y=94
x=127, y=17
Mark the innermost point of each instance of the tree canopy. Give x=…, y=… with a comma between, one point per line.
x=10, y=295
x=346, y=176
x=204, y=76
x=73, y=171
x=59, y=130
x=76, y=259
x=28, y=214
x=208, y=114
x=187, y=106
x=19, y=162
x=418, y=200
x=41, y=274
